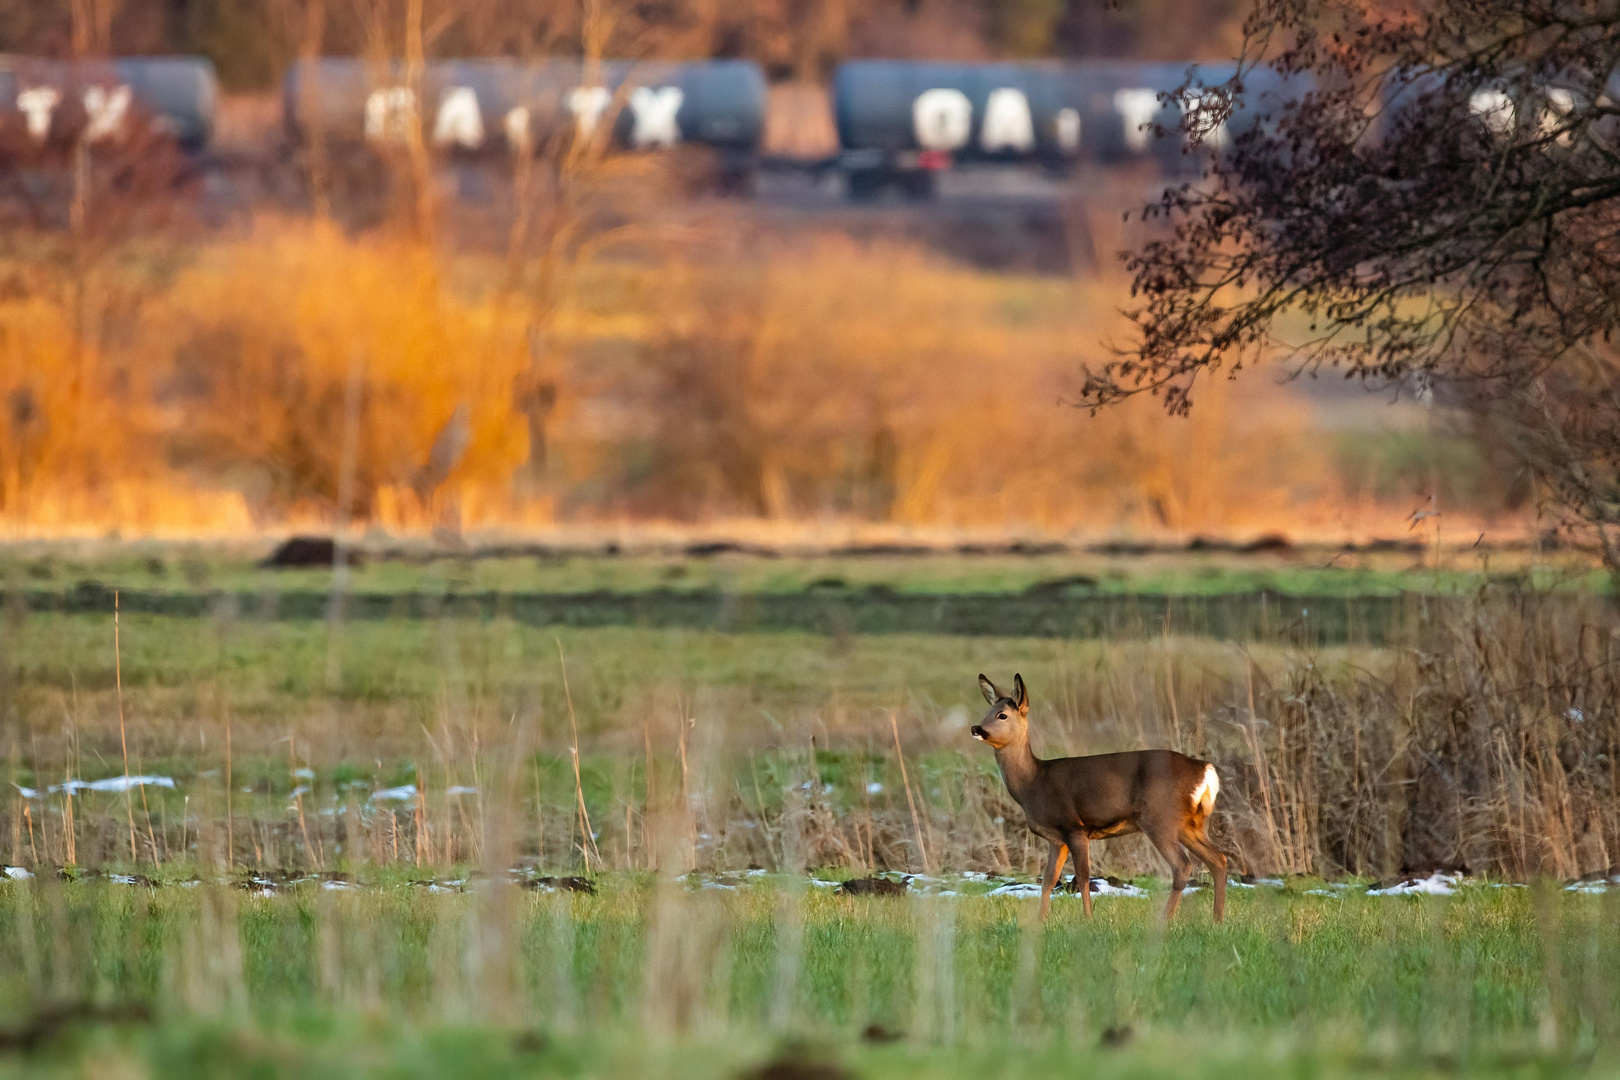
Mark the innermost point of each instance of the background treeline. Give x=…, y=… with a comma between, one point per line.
x=251, y=40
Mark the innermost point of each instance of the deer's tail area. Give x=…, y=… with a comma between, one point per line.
x=1203, y=800
x=1203, y=796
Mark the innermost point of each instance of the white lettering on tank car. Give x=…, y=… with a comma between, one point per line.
x=1494, y=108
x=588, y=103
x=517, y=127
x=1007, y=122
x=390, y=112
x=107, y=110
x=1216, y=136
x=654, y=114
x=36, y=104
x=942, y=119
x=459, y=122
x=1066, y=130
x=1137, y=106
x=1560, y=103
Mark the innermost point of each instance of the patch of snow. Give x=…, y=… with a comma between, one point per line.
x=1433, y=885
x=1015, y=888
x=874, y=788
x=304, y=773
x=974, y=875
x=403, y=793
x=336, y=886
x=460, y=789
x=114, y=783
x=719, y=885
x=18, y=873
x=1269, y=882
x=26, y=792
x=1099, y=887
x=1587, y=887
x=1324, y=892
x=820, y=884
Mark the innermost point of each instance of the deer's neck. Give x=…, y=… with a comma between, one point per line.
x=1018, y=767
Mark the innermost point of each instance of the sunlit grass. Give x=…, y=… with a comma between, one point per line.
x=691, y=982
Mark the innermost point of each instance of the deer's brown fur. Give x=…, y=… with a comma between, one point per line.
x=1068, y=802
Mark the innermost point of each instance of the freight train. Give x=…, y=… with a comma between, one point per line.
x=45, y=101
x=903, y=122
x=899, y=123
x=470, y=106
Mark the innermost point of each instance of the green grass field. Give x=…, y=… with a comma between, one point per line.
x=160, y=567
x=670, y=980
x=410, y=749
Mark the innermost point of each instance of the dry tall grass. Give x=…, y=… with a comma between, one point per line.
x=1488, y=741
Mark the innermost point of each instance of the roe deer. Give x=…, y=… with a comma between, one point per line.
x=1069, y=802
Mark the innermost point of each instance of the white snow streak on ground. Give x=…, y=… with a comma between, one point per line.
x=112, y=783
x=1438, y=884
x=1433, y=885
x=1099, y=887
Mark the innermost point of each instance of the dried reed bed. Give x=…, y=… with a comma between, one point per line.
x=1486, y=740
x=705, y=371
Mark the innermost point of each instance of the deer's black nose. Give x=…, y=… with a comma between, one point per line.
x=977, y=732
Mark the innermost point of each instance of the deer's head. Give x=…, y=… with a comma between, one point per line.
x=1008, y=718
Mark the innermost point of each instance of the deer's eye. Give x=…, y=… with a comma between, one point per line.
x=1001, y=716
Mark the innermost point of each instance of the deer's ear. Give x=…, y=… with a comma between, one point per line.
x=1020, y=695
x=991, y=694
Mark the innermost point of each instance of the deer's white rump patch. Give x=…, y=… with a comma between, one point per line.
x=1203, y=796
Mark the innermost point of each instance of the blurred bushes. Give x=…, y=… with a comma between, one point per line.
x=718, y=378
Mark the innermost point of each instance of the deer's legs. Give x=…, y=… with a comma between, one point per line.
x=1080, y=848
x=1055, y=855
x=1199, y=844
x=1169, y=845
